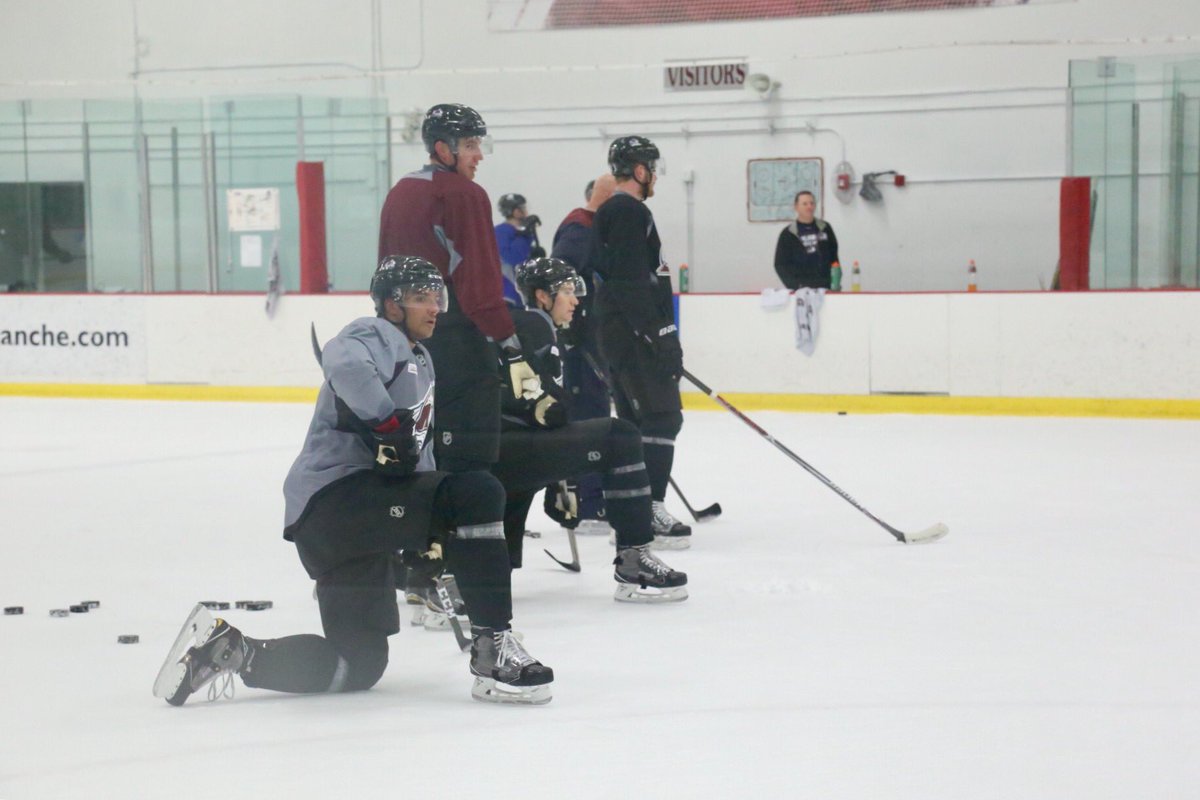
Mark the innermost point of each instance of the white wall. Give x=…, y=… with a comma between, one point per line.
x=969, y=104
x=1081, y=345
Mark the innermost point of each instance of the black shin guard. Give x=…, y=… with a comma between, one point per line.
x=627, y=487
x=471, y=505
x=516, y=512
x=658, y=441
x=303, y=664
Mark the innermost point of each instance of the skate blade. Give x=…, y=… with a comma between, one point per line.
x=487, y=690
x=632, y=593
x=671, y=543
x=196, y=629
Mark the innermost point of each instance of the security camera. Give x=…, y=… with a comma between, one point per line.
x=762, y=83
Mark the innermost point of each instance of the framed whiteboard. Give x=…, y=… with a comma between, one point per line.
x=772, y=183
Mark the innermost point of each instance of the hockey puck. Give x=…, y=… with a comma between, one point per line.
x=91, y=604
x=10, y=611
x=257, y=605
x=127, y=638
x=841, y=413
x=217, y=605
x=78, y=609
x=59, y=612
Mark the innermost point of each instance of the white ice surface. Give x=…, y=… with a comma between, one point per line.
x=1047, y=648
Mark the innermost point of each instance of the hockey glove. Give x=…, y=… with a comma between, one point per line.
x=532, y=221
x=548, y=412
x=521, y=378
x=668, y=354
x=396, y=452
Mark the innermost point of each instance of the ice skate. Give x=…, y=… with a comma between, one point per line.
x=593, y=527
x=504, y=672
x=669, y=533
x=642, y=577
x=218, y=653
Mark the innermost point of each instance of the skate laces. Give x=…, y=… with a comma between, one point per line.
x=221, y=685
x=662, y=517
x=651, y=561
x=509, y=650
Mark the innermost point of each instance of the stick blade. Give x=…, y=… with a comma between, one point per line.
x=573, y=566
x=930, y=534
x=712, y=512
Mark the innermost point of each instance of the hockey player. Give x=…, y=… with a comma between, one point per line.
x=538, y=445
x=364, y=486
x=584, y=375
x=441, y=214
x=517, y=241
x=636, y=320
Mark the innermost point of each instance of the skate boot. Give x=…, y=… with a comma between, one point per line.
x=643, y=578
x=220, y=652
x=504, y=672
x=669, y=533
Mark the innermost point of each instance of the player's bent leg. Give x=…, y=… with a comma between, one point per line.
x=359, y=612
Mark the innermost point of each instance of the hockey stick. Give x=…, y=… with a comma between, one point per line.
x=704, y=514
x=464, y=643
x=930, y=534
x=574, y=563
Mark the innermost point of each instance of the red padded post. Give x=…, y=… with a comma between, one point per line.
x=1074, y=233
x=310, y=187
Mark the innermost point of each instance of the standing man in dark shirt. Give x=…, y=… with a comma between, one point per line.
x=440, y=214
x=807, y=248
x=636, y=321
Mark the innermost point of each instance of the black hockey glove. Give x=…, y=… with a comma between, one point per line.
x=532, y=221
x=523, y=381
x=549, y=413
x=396, y=452
x=668, y=354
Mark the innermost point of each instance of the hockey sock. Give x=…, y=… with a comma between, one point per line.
x=658, y=441
x=471, y=505
x=516, y=511
x=480, y=567
x=627, y=487
x=303, y=664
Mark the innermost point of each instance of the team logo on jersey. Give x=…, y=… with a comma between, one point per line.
x=397, y=512
x=593, y=455
x=447, y=438
x=422, y=414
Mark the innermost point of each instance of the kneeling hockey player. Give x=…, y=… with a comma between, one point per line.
x=364, y=486
x=539, y=447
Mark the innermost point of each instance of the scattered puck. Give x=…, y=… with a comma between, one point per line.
x=217, y=605
x=59, y=612
x=91, y=604
x=256, y=605
x=841, y=413
x=127, y=638
x=78, y=609
x=10, y=611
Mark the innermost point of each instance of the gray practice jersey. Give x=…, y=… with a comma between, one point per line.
x=371, y=372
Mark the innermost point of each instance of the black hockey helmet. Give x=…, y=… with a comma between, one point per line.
x=449, y=122
x=397, y=276
x=508, y=203
x=549, y=274
x=627, y=152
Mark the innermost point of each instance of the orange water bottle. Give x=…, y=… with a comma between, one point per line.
x=972, y=277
